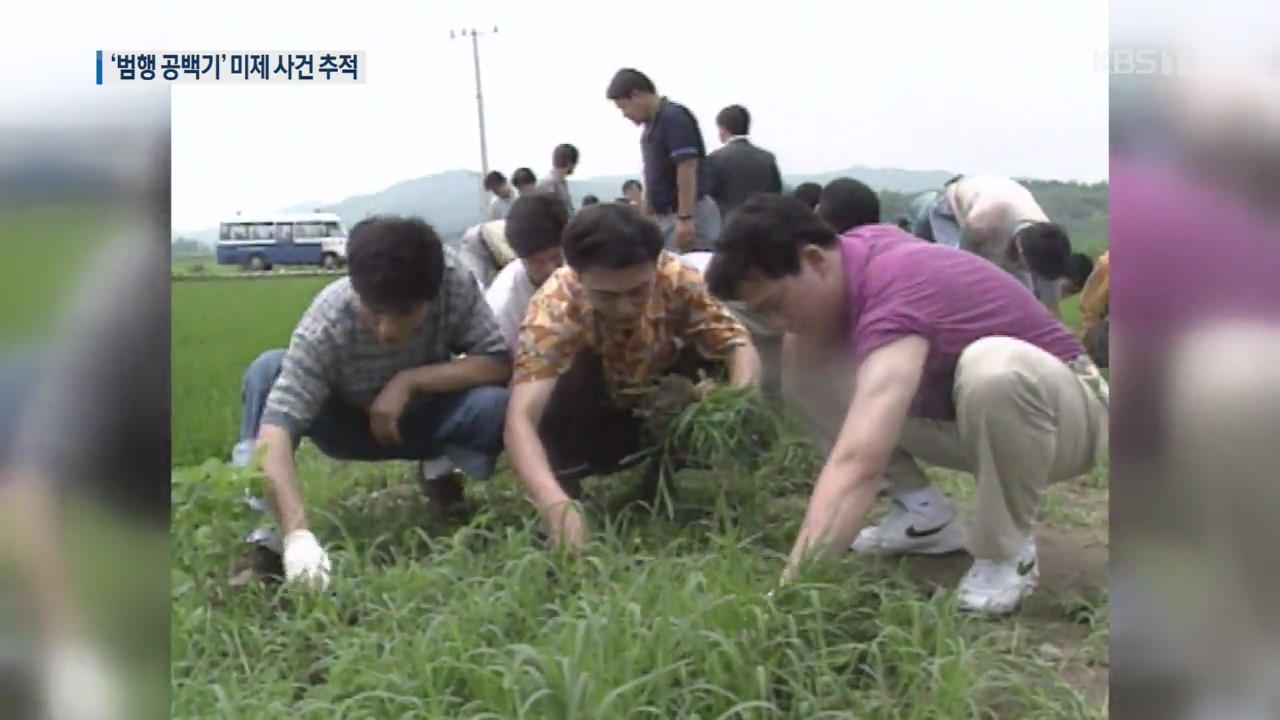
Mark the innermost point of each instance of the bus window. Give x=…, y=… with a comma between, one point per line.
x=261, y=231
x=239, y=231
x=284, y=231
x=224, y=232
x=308, y=230
x=333, y=229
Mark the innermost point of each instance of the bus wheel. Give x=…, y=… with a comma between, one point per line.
x=256, y=264
x=330, y=261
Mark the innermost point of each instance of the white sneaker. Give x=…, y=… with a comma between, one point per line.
x=242, y=453
x=904, y=532
x=996, y=588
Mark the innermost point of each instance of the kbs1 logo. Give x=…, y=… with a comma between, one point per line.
x=1137, y=61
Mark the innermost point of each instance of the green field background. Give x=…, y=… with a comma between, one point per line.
x=219, y=327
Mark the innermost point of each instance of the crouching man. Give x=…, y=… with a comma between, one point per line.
x=622, y=314
x=899, y=350
x=402, y=359
x=534, y=227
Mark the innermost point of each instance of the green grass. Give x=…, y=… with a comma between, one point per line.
x=664, y=617
x=219, y=327
x=47, y=253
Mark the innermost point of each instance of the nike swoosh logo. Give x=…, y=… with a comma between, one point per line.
x=1026, y=567
x=912, y=532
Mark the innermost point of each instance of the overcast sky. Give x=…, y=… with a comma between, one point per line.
x=991, y=86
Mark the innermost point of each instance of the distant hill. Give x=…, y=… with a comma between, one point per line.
x=906, y=181
x=450, y=200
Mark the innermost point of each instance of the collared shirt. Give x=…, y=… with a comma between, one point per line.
x=500, y=206
x=897, y=287
x=670, y=138
x=333, y=353
x=1095, y=297
x=484, y=250
x=508, y=296
x=557, y=186
x=560, y=323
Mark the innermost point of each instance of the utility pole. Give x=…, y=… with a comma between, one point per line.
x=475, y=56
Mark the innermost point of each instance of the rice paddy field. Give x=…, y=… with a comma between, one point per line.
x=666, y=615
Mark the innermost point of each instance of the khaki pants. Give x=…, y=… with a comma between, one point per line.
x=1024, y=419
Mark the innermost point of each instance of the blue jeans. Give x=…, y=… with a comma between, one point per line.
x=942, y=222
x=466, y=426
x=20, y=370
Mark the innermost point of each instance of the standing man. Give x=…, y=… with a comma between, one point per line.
x=401, y=359
x=739, y=169
x=525, y=181
x=564, y=160
x=897, y=350
x=633, y=193
x=496, y=183
x=998, y=218
x=673, y=153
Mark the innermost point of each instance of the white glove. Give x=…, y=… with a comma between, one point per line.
x=78, y=685
x=305, y=560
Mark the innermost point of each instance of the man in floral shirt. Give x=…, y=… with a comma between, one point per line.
x=620, y=316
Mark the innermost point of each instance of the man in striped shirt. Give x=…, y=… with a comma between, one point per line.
x=402, y=359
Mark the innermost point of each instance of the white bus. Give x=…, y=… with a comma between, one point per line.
x=259, y=242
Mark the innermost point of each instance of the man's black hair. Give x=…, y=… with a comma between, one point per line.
x=846, y=203
x=1045, y=247
x=394, y=262
x=610, y=236
x=734, y=119
x=564, y=156
x=627, y=82
x=589, y=200
x=764, y=235
x=523, y=176
x=808, y=193
x=1079, y=268
x=536, y=223
x=494, y=180
x=631, y=183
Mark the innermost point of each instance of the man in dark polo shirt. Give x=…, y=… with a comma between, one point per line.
x=675, y=174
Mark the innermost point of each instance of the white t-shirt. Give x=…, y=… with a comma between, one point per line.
x=508, y=296
x=989, y=210
x=499, y=207
x=698, y=260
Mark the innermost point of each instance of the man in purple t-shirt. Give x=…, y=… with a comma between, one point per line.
x=898, y=350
